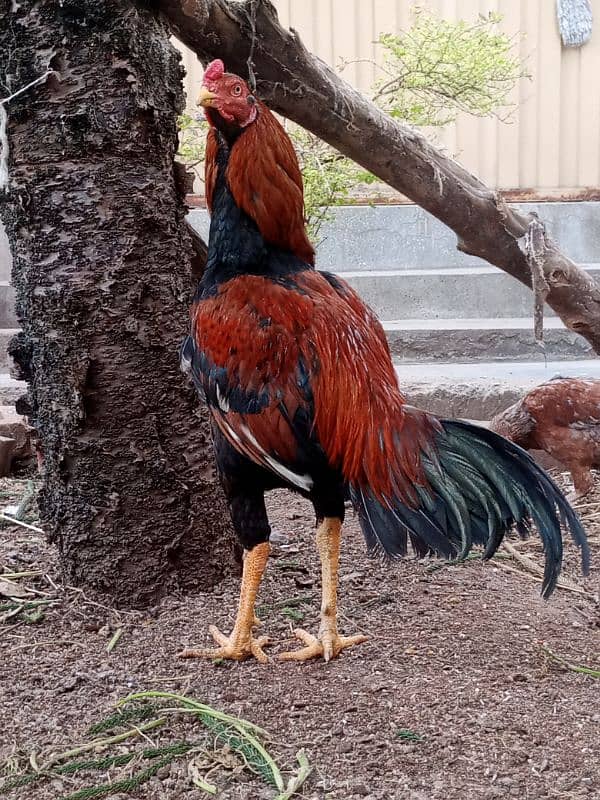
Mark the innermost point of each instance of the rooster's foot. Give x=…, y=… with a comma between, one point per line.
x=232, y=647
x=328, y=644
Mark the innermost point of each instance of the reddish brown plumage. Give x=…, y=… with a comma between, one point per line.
x=210, y=166
x=561, y=417
x=359, y=412
x=265, y=181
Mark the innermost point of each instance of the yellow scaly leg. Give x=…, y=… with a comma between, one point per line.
x=241, y=644
x=328, y=643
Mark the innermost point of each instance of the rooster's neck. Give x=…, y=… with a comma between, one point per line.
x=236, y=246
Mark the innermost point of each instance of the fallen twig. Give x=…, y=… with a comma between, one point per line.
x=594, y=673
x=537, y=571
x=560, y=584
x=114, y=640
x=524, y=560
x=455, y=562
x=11, y=576
x=102, y=743
x=14, y=521
x=35, y=82
x=298, y=779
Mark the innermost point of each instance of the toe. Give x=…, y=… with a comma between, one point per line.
x=304, y=654
x=306, y=637
x=348, y=641
x=190, y=653
x=328, y=645
x=219, y=637
x=313, y=647
x=256, y=646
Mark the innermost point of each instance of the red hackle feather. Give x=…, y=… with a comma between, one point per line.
x=266, y=182
x=210, y=166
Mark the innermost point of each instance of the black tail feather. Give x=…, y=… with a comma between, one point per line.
x=480, y=486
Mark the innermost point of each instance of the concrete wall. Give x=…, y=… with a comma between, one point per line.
x=405, y=237
x=5, y=256
x=551, y=141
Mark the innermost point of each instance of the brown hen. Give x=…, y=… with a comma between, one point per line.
x=561, y=417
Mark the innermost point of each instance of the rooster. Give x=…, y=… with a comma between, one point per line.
x=299, y=380
x=561, y=417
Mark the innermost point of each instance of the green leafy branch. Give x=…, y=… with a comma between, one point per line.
x=141, y=713
x=438, y=68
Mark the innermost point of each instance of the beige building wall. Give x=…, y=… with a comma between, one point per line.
x=551, y=144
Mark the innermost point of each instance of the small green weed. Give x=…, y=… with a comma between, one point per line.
x=409, y=736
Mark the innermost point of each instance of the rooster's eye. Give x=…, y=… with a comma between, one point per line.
x=237, y=90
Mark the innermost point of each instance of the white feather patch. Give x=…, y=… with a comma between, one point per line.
x=302, y=481
x=230, y=431
x=222, y=401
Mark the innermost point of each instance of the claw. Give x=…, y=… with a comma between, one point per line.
x=328, y=644
x=230, y=648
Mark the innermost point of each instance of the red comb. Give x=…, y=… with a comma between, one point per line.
x=214, y=70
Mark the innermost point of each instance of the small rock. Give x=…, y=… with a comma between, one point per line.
x=520, y=677
x=14, y=426
x=278, y=537
x=70, y=683
x=7, y=452
x=303, y=582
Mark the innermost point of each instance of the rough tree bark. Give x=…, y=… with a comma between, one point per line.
x=301, y=87
x=95, y=216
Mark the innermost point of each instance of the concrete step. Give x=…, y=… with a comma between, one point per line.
x=506, y=339
x=451, y=293
x=8, y=318
x=479, y=391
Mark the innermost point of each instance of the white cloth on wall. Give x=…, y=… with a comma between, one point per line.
x=574, y=21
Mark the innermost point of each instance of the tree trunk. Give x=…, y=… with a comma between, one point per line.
x=301, y=87
x=95, y=217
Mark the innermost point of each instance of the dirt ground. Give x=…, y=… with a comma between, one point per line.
x=452, y=698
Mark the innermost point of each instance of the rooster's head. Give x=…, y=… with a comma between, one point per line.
x=226, y=98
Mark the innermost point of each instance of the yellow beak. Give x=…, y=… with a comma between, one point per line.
x=206, y=97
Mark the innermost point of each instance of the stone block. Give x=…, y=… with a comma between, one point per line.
x=16, y=428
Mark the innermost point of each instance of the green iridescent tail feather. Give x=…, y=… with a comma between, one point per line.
x=480, y=486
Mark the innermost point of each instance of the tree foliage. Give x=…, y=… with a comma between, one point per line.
x=328, y=177
x=438, y=68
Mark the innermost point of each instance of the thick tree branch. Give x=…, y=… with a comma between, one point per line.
x=301, y=87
